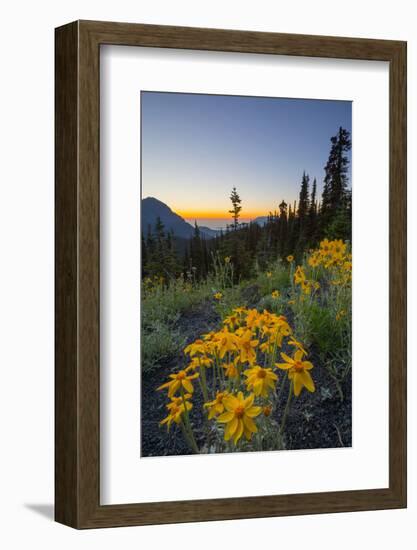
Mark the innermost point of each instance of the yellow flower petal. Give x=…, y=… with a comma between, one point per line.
x=239, y=431
x=231, y=428
x=164, y=386
x=298, y=356
x=187, y=385
x=249, y=401
x=174, y=387
x=231, y=402
x=307, y=381
x=249, y=424
x=247, y=433
x=225, y=417
x=283, y=366
x=286, y=358
x=298, y=384
x=253, y=411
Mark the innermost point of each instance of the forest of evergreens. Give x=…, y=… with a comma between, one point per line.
x=289, y=229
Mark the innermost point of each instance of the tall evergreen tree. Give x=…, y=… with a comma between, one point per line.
x=236, y=207
x=312, y=215
x=303, y=203
x=334, y=211
x=283, y=228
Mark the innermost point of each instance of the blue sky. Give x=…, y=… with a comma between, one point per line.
x=195, y=148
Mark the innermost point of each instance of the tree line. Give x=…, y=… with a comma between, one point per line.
x=290, y=229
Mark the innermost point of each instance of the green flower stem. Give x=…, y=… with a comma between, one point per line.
x=204, y=380
x=286, y=410
x=187, y=437
x=214, y=380
x=187, y=426
x=274, y=351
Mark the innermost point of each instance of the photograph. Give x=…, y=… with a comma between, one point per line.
x=246, y=273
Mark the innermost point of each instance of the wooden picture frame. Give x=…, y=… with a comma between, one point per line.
x=77, y=405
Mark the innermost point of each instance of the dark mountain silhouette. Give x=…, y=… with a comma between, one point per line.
x=261, y=220
x=152, y=209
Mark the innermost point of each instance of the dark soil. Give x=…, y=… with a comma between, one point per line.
x=317, y=420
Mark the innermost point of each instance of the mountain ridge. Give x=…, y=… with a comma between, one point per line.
x=152, y=209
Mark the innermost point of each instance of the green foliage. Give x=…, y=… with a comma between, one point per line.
x=315, y=325
x=276, y=277
x=160, y=341
x=162, y=306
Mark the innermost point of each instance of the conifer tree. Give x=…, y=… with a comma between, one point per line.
x=303, y=203
x=312, y=215
x=334, y=211
x=283, y=228
x=236, y=208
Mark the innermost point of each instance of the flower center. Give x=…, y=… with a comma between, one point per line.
x=261, y=373
x=240, y=411
x=219, y=398
x=298, y=365
x=181, y=375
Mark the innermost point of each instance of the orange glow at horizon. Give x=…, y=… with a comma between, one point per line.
x=214, y=215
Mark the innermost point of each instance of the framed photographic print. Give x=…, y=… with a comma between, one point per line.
x=230, y=274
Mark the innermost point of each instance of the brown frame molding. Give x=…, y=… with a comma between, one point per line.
x=77, y=359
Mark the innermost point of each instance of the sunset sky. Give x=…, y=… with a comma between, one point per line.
x=195, y=148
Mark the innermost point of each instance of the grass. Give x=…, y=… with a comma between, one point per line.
x=162, y=306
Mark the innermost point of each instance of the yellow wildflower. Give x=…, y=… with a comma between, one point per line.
x=306, y=287
x=201, y=361
x=314, y=260
x=297, y=344
x=240, y=310
x=298, y=372
x=267, y=410
x=246, y=347
x=232, y=320
x=230, y=370
x=260, y=380
x=197, y=347
x=176, y=409
x=225, y=341
x=253, y=318
x=277, y=330
x=340, y=314
x=275, y=294
x=238, y=417
x=217, y=295
x=177, y=400
x=338, y=249
x=179, y=380
x=290, y=258
x=216, y=407
x=324, y=247
x=268, y=274
x=299, y=275
x=227, y=260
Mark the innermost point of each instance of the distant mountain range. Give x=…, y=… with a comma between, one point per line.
x=261, y=220
x=152, y=209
